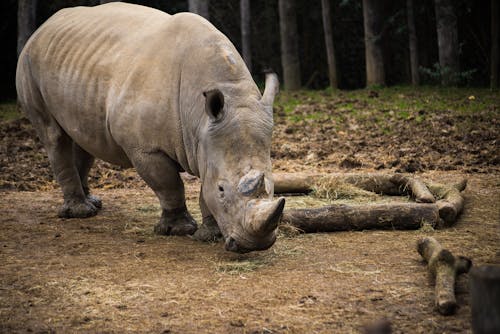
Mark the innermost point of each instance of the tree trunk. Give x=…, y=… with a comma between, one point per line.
x=375, y=73
x=26, y=22
x=199, y=7
x=495, y=54
x=289, y=44
x=330, y=49
x=343, y=217
x=412, y=37
x=245, y=33
x=447, y=35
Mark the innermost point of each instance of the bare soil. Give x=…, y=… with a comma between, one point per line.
x=111, y=274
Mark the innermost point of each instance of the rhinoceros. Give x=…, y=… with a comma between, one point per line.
x=164, y=94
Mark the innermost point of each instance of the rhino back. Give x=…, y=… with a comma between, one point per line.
x=121, y=77
x=87, y=63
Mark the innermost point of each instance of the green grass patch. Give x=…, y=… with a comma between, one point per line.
x=9, y=111
x=403, y=114
x=316, y=115
x=390, y=103
x=288, y=103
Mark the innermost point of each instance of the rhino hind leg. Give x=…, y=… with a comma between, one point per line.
x=59, y=147
x=84, y=162
x=162, y=174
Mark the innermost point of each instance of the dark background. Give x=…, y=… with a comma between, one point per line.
x=473, y=29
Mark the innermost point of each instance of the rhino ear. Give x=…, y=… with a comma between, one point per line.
x=272, y=88
x=214, y=104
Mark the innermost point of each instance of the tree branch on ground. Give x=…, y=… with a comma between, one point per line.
x=444, y=267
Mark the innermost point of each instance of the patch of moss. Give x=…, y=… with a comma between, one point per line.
x=9, y=111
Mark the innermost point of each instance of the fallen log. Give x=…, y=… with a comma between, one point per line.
x=377, y=183
x=387, y=184
x=342, y=217
x=293, y=183
x=450, y=202
x=307, y=182
x=444, y=267
x=418, y=189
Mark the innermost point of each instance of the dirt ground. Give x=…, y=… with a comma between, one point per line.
x=111, y=274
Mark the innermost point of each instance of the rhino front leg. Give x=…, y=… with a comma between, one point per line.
x=209, y=230
x=162, y=174
x=84, y=162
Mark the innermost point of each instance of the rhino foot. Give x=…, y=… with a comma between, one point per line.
x=74, y=209
x=178, y=222
x=96, y=201
x=209, y=231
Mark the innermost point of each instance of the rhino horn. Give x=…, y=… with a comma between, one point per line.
x=251, y=183
x=265, y=216
x=272, y=88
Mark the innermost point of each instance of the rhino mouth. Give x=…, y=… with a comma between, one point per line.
x=258, y=231
x=237, y=245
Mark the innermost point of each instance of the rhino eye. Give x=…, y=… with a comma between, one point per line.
x=221, y=189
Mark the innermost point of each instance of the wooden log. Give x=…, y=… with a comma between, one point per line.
x=290, y=183
x=418, y=189
x=451, y=202
x=485, y=298
x=342, y=217
x=381, y=183
x=306, y=182
x=444, y=267
x=374, y=182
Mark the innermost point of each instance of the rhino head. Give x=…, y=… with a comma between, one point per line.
x=237, y=184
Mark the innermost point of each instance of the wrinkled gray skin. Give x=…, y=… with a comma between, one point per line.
x=164, y=94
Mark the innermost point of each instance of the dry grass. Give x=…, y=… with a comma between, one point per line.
x=331, y=188
x=426, y=227
x=304, y=201
x=288, y=231
x=240, y=265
